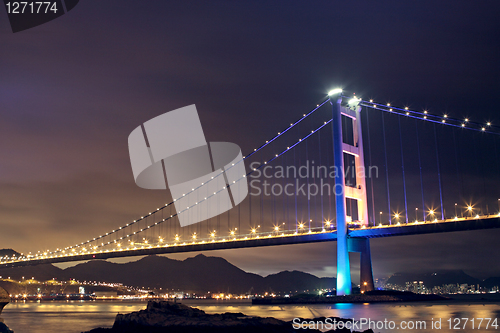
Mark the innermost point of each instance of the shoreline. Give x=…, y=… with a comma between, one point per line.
x=451, y=298
x=371, y=297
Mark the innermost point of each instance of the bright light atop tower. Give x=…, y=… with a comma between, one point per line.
x=354, y=102
x=335, y=91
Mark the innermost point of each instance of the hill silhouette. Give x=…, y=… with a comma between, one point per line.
x=8, y=253
x=201, y=274
x=491, y=282
x=433, y=279
x=198, y=274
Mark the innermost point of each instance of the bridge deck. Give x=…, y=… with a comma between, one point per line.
x=463, y=224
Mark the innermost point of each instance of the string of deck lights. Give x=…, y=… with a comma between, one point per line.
x=305, y=115
x=301, y=226
x=444, y=119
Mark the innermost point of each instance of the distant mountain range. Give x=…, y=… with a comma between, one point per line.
x=201, y=274
x=8, y=253
x=198, y=274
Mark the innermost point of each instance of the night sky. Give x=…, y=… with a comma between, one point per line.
x=73, y=89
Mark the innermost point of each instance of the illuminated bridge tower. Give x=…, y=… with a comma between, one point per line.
x=348, y=145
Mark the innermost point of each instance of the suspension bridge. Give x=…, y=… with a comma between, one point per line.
x=317, y=180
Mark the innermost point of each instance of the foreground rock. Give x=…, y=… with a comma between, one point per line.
x=4, y=300
x=5, y=329
x=172, y=317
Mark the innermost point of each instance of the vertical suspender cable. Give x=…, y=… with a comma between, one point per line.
x=321, y=182
x=295, y=195
x=459, y=181
x=439, y=172
x=386, y=171
x=420, y=169
x=315, y=179
x=308, y=188
x=403, y=168
x=480, y=165
x=497, y=155
x=370, y=164
x=261, y=196
x=328, y=178
x=497, y=159
x=483, y=172
x=285, y=196
x=274, y=199
x=250, y=210
x=199, y=227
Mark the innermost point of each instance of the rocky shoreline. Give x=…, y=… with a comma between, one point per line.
x=164, y=316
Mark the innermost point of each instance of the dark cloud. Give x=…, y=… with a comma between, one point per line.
x=48, y=214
